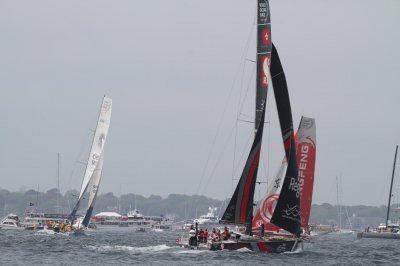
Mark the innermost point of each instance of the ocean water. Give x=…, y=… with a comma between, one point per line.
x=127, y=247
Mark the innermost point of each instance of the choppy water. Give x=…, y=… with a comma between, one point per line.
x=127, y=247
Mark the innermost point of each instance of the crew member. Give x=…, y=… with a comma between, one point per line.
x=206, y=235
x=192, y=237
x=201, y=236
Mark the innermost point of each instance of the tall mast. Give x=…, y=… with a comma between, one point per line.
x=58, y=182
x=391, y=186
x=37, y=197
x=263, y=58
x=337, y=199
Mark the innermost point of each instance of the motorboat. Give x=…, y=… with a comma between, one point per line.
x=210, y=218
x=11, y=222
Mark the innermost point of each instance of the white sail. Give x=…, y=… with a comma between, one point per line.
x=94, y=187
x=96, y=150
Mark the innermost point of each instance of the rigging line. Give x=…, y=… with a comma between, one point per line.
x=74, y=169
x=243, y=153
x=234, y=155
x=265, y=167
x=251, y=122
x=240, y=96
x=236, y=127
x=248, y=88
x=239, y=112
x=226, y=104
x=262, y=162
x=246, y=121
x=268, y=106
x=240, y=108
x=218, y=159
x=277, y=74
x=77, y=161
x=268, y=141
x=243, y=114
x=384, y=187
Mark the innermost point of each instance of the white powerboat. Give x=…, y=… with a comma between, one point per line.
x=210, y=218
x=11, y=221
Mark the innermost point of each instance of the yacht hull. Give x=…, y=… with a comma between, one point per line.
x=269, y=246
x=388, y=235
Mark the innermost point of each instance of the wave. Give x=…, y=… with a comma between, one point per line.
x=244, y=250
x=130, y=249
x=190, y=251
x=50, y=232
x=298, y=249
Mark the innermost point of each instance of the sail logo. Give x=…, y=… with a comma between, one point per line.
x=292, y=211
x=294, y=186
x=268, y=206
x=266, y=36
x=265, y=64
x=94, y=190
x=281, y=248
x=106, y=106
x=307, y=123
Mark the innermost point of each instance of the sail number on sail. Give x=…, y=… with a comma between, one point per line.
x=294, y=186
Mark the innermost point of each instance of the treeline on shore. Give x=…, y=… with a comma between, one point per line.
x=181, y=206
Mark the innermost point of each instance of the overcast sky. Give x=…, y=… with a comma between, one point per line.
x=177, y=71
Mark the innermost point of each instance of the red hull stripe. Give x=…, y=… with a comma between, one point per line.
x=263, y=246
x=246, y=191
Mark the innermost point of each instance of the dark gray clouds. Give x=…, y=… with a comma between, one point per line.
x=169, y=67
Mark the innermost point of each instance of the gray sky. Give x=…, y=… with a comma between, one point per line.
x=172, y=68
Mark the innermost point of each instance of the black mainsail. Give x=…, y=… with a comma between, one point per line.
x=264, y=45
x=240, y=207
x=287, y=214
